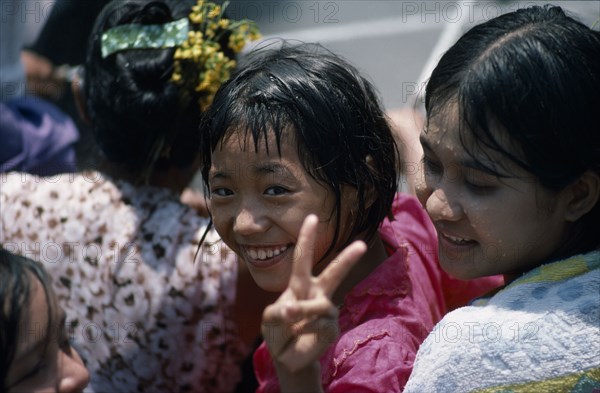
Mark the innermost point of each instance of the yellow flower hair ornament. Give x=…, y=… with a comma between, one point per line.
x=200, y=61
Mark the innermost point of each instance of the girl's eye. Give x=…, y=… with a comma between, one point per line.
x=222, y=192
x=275, y=190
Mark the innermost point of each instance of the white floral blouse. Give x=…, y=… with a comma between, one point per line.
x=141, y=311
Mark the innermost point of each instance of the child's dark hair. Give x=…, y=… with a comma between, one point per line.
x=535, y=73
x=17, y=278
x=342, y=133
x=130, y=97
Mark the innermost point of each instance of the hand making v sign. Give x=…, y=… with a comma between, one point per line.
x=302, y=323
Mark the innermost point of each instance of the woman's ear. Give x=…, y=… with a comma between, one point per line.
x=79, y=97
x=582, y=195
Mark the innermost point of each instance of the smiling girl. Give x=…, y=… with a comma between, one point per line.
x=299, y=132
x=512, y=183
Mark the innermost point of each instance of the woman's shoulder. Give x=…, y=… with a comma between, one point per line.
x=545, y=320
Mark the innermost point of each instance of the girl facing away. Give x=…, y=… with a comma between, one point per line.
x=35, y=354
x=148, y=314
x=299, y=133
x=511, y=182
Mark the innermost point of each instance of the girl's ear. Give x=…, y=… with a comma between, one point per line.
x=371, y=194
x=582, y=195
x=79, y=96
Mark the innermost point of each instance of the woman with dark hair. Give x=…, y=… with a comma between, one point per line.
x=35, y=354
x=511, y=182
x=295, y=135
x=147, y=313
x=513, y=105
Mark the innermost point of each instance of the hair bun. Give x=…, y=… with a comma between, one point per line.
x=154, y=13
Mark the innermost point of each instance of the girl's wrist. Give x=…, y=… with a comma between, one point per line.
x=307, y=379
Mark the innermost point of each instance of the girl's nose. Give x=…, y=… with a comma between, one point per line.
x=248, y=222
x=441, y=208
x=74, y=377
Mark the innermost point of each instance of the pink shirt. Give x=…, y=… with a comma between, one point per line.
x=388, y=315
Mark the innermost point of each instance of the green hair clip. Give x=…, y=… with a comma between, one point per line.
x=136, y=36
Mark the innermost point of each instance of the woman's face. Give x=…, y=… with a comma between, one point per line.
x=44, y=360
x=486, y=225
x=258, y=202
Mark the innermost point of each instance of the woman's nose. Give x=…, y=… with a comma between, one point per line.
x=441, y=208
x=74, y=376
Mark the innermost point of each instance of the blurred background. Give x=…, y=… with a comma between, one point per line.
x=396, y=43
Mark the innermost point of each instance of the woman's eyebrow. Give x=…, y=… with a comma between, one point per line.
x=486, y=166
x=478, y=166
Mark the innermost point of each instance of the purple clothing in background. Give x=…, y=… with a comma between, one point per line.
x=36, y=137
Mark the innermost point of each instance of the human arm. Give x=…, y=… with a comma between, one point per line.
x=196, y=200
x=406, y=126
x=43, y=78
x=302, y=323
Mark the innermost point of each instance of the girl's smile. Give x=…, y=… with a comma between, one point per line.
x=264, y=256
x=259, y=199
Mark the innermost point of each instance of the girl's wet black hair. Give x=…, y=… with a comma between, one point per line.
x=130, y=98
x=534, y=73
x=342, y=133
x=17, y=278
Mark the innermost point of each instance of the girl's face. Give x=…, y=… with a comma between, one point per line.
x=258, y=201
x=44, y=360
x=486, y=225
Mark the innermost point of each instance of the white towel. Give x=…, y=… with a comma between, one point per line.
x=539, y=334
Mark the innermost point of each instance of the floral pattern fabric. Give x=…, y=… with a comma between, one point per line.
x=143, y=313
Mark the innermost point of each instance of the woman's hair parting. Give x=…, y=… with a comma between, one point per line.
x=342, y=134
x=147, y=79
x=534, y=73
x=17, y=277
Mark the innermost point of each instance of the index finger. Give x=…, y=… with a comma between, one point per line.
x=304, y=250
x=338, y=268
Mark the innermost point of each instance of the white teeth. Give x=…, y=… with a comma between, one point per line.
x=265, y=253
x=457, y=239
